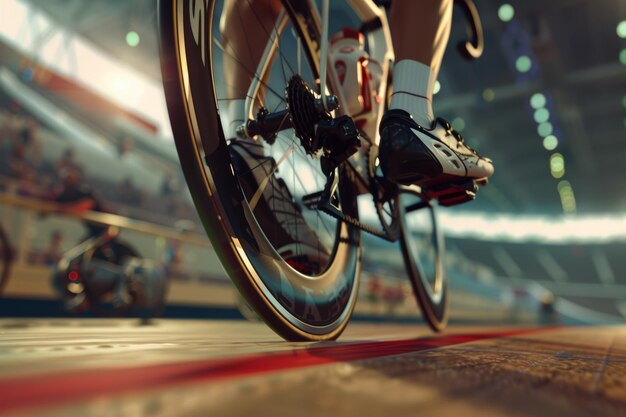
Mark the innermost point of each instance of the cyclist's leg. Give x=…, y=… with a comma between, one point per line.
x=415, y=147
x=245, y=27
x=420, y=32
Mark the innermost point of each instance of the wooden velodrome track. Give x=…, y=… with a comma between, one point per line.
x=104, y=367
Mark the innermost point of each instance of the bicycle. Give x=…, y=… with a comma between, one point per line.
x=106, y=276
x=287, y=227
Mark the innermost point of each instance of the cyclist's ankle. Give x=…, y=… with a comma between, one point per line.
x=413, y=84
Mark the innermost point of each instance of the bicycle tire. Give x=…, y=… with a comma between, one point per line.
x=295, y=304
x=428, y=277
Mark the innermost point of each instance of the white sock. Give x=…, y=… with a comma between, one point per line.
x=413, y=84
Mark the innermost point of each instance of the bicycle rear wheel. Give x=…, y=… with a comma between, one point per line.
x=422, y=244
x=298, y=268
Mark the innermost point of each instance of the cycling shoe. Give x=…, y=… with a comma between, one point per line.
x=431, y=158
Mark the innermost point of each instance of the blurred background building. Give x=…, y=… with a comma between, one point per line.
x=80, y=88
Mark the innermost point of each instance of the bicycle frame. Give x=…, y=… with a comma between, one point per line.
x=376, y=28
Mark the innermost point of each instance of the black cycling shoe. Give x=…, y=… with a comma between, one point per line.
x=437, y=159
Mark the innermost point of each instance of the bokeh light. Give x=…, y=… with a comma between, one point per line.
x=542, y=115
x=622, y=56
x=458, y=124
x=557, y=165
x=538, y=101
x=132, y=38
x=523, y=63
x=566, y=193
x=550, y=142
x=489, y=95
x=621, y=29
x=545, y=129
x=506, y=12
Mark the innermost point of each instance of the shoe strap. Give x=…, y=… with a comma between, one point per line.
x=450, y=131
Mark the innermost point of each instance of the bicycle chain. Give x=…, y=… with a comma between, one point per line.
x=384, y=234
x=346, y=218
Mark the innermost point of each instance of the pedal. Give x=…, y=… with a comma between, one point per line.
x=454, y=194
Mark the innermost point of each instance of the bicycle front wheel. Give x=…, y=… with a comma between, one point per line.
x=422, y=244
x=298, y=268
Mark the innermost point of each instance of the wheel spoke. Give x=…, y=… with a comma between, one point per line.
x=269, y=35
x=253, y=74
x=259, y=192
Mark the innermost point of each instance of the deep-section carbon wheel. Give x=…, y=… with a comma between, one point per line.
x=297, y=267
x=423, y=249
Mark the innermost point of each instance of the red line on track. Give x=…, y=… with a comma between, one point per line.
x=62, y=387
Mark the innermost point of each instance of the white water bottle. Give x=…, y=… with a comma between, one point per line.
x=358, y=78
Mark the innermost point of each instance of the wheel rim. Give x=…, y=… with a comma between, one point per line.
x=423, y=248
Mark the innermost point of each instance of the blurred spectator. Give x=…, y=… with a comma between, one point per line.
x=547, y=312
x=394, y=298
x=28, y=137
x=51, y=254
x=18, y=164
x=169, y=190
x=126, y=145
x=79, y=197
x=173, y=258
x=66, y=160
x=169, y=185
x=6, y=129
x=374, y=289
x=128, y=194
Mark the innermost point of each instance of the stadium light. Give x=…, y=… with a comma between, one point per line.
x=538, y=101
x=566, y=193
x=621, y=29
x=506, y=12
x=132, y=39
x=557, y=165
x=489, y=95
x=458, y=124
x=550, y=142
x=542, y=115
x=523, y=64
x=545, y=129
